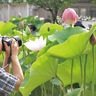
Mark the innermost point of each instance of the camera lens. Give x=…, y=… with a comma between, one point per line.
x=17, y=38
x=8, y=40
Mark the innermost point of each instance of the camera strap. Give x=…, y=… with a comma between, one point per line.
x=9, y=59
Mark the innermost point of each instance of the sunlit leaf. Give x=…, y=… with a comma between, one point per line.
x=5, y=28
x=48, y=29
x=41, y=71
x=73, y=46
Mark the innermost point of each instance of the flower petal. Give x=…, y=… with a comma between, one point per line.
x=36, y=45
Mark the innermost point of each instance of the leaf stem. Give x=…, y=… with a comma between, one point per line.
x=42, y=90
x=72, y=74
x=45, y=94
x=81, y=69
x=22, y=42
x=93, y=73
x=52, y=89
x=85, y=75
x=62, y=87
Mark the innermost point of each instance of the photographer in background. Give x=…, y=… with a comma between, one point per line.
x=32, y=28
x=8, y=81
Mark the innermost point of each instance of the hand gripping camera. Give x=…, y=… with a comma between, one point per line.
x=8, y=40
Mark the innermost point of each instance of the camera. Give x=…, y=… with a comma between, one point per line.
x=8, y=40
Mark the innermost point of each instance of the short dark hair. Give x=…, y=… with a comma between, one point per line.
x=31, y=26
x=79, y=23
x=47, y=20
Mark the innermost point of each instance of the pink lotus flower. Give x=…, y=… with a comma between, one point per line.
x=69, y=16
x=36, y=45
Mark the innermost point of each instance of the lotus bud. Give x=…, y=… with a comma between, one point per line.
x=92, y=40
x=25, y=21
x=27, y=30
x=21, y=25
x=69, y=16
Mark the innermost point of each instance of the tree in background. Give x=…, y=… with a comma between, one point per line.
x=53, y=6
x=17, y=1
x=93, y=1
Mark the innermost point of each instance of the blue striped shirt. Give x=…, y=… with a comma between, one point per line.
x=7, y=82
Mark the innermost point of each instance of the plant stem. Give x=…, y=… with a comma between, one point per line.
x=45, y=94
x=22, y=43
x=62, y=88
x=41, y=90
x=35, y=92
x=93, y=75
x=28, y=40
x=52, y=89
x=85, y=75
x=62, y=91
x=72, y=73
x=81, y=69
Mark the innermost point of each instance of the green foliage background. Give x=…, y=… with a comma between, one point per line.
x=59, y=64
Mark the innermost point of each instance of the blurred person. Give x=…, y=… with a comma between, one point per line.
x=47, y=20
x=79, y=23
x=32, y=28
x=8, y=81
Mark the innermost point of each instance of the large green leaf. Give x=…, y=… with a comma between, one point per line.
x=6, y=27
x=64, y=70
x=41, y=71
x=45, y=67
x=20, y=34
x=48, y=29
x=73, y=46
x=63, y=35
x=41, y=52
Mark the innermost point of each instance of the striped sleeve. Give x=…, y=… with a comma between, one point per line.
x=7, y=82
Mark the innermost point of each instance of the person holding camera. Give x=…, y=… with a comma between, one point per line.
x=8, y=81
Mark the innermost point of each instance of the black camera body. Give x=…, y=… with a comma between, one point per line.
x=8, y=40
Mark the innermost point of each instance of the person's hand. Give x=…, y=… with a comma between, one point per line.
x=7, y=49
x=6, y=57
x=14, y=49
